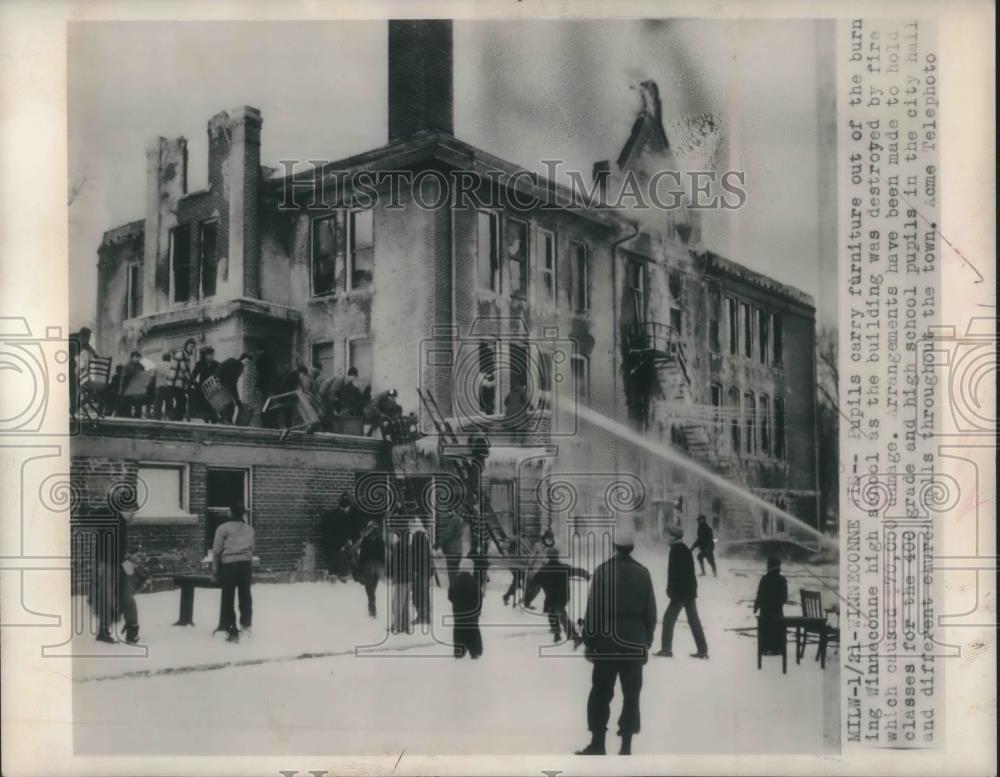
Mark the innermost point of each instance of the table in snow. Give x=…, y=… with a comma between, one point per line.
x=187, y=585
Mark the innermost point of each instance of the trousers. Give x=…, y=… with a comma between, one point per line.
x=670, y=618
x=606, y=670
x=236, y=576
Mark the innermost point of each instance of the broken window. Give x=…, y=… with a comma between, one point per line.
x=360, y=357
x=635, y=277
x=714, y=314
x=734, y=418
x=765, y=425
x=517, y=257
x=322, y=357
x=732, y=311
x=134, y=293
x=762, y=336
x=548, y=244
x=581, y=278
x=751, y=422
x=362, y=248
x=324, y=254
x=581, y=375
x=776, y=339
x=716, y=392
x=488, y=258
x=676, y=320
x=675, y=284
x=180, y=263
x=779, y=427
x=746, y=313
x=207, y=242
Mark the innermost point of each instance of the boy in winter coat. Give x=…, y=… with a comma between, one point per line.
x=553, y=578
x=466, y=606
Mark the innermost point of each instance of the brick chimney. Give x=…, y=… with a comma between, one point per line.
x=244, y=181
x=421, y=82
x=234, y=178
x=166, y=181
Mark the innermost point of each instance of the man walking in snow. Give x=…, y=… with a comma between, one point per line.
x=705, y=543
x=682, y=590
x=420, y=558
x=617, y=632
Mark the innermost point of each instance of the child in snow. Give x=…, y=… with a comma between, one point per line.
x=466, y=605
x=553, y=578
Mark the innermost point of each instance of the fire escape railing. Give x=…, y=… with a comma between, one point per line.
x=658, y=341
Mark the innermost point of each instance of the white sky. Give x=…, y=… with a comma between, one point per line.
x=524, y=91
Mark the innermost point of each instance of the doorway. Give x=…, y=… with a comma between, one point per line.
x=224, y=486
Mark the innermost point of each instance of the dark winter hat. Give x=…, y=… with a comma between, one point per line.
x=702, y=519
x=237, y=511
x=353, y=372
x=85, y=331
x=773, y=564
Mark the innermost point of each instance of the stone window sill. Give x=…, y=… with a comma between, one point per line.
x=166, y=518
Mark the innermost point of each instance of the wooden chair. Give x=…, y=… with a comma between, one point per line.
x=94, y=387
x=814, y=629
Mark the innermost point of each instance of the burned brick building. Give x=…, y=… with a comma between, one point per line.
x=628, y=317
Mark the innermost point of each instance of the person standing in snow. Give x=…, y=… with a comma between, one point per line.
x=553, y=578
x=772, y=593
x=682, y=590
x=617, y=633
x=466, y=606
x=371, y=562
x=336, y=531
x=705, y=544
x=420, y=557
x=399, y=582
x=232, y=560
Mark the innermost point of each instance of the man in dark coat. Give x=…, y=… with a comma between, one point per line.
x=371, y=561
x=337, y=530
x=772, y=593
x=399, y=576
x=466, y=605
x=682, y=590
x=206, y=367
x=553, y=578
x=113, y=581
x=449, y=540
x=618, y=632
x=705, y=544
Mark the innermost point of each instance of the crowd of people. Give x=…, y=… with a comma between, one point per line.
x=617, y=629
x=188, y=383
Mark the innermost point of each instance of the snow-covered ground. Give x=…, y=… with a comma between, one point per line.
x=319, y=676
